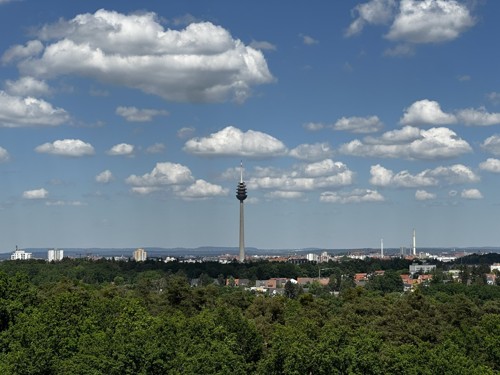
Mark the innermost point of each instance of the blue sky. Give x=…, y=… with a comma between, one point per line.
x=123, y=124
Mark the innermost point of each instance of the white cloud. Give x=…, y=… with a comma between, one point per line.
x=263, y=45
x=4, y=155
x=36, y=194
x=314, y=126
x=471, y=194
x=162, y=174
x=490, y=165
x=312, y=152
x=134, y=114
x=308, y=40
x=121, y=149
x=375, y=12
x=422, y=195
x=284, y=194
x=27, y=86
x=478, y=117
x=156, y=148
x=231, y=141
x=66, y=147
x=426, y=112
x=400, y=50
x=200, y=63
x=430, y=21
x=65, y=203
x=494, y=97
x=303, y=177
x=454, y=174
x=16, y=111
x=431, y=144
x=202, y=189
x=370, y=124
x=384, y=177
x=492, y=144
x=185, y=132
x=104, y=177
x=32, y=48
x=144, y=190
x=355, y=196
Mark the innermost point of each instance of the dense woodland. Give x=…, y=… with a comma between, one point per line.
x=104, y=317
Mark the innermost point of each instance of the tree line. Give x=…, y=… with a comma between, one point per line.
x=103, y=317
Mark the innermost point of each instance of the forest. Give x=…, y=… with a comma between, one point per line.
x=80, y=316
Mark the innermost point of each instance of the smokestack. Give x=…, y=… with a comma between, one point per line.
x=381, y=247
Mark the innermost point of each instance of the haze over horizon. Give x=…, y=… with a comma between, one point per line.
x=123, y=124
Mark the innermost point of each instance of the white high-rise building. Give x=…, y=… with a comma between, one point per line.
x=140, y=255
x=55, y=255
x=20, y=255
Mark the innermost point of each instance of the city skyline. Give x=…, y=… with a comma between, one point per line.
x=124, y=124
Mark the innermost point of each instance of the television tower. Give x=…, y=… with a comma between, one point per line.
x=414, y=249
x=241, y=194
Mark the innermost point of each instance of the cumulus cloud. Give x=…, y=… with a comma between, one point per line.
x=4, y=155
x=134, y=114
x=27, y=86
x=284, y=194
x=381, y=176
x=144, y=190
x=312, y=152
x=16, y=111
x=105, y=177
x=490, y=165
x=410, y=143
x=156, y=148
x=202, y=189
x=429, y=112
x=471, y=194
x=231, y=141
x=302, y=177
x=32, y=48
x=426, y=112
x=314, y=126
x=36, y=194
x=66, y=147
x=165, y=173
x=355, y=196
x=200, y=63
x=430, y=21
x=478, y=117
x=375, y=12
x=454, y=174
x=492, y=144
x=361, y=125
x=422, y=195
x=121, y=149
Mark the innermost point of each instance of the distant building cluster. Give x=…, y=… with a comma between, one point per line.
x=19, y=254
x=55, y=255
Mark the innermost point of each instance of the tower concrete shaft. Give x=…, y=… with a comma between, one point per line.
x=242, y=232
x=241, y=195
x=414, y=249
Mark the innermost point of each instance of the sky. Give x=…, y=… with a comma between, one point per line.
x=123, y=124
